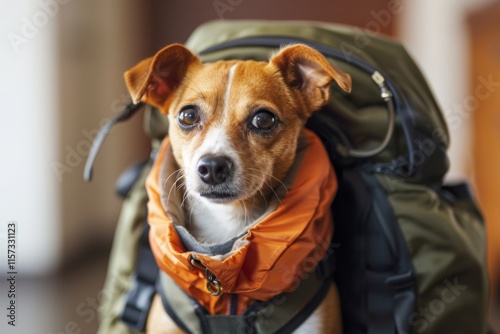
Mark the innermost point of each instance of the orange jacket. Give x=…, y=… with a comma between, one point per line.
x=281, y=249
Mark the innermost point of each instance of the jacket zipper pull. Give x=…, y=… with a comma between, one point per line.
x=213, y=284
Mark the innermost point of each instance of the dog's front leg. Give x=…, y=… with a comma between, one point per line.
x=158, y=320
x=326, y=318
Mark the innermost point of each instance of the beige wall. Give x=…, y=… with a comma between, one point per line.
x=61, y=76
x=98, y=41
x=29, y=193
x=173, y=21
x=436, y=34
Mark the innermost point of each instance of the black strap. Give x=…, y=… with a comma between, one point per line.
x=128, y=112
x=375, y=274
x=128, y=178
x=391, y=293
x=139, y=298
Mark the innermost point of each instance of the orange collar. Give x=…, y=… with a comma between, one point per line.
x=274, y=254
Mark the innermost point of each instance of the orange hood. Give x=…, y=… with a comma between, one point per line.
x=275, y=253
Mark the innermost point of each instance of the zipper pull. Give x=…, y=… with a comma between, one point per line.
x=379, y=79
x=213, y=284
x=386, y=95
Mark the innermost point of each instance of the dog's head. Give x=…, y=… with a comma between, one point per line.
x=234, y=125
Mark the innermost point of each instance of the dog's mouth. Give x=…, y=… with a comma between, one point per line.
x=220, y=196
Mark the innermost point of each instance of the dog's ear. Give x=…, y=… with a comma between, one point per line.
x=308, y=70
x=155, y=78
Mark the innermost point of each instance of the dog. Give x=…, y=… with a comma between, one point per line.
x=235, y=129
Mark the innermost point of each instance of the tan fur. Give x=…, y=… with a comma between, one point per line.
x=271, y=156
x=330, y=312
x=292, y=85
x=158, y=320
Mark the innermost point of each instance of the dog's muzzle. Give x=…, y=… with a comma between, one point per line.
x=214, y=169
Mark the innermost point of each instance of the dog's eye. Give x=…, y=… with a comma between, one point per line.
x=188, y=117
x=264, y=120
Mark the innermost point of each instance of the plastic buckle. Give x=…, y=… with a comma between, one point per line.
x=138, y=303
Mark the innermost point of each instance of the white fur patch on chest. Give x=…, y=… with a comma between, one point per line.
x=216, y=223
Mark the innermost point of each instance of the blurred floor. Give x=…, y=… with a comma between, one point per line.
x=62, y=304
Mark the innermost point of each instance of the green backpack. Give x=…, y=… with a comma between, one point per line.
x=409, y=251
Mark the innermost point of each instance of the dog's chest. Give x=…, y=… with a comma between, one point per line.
x=212, y=223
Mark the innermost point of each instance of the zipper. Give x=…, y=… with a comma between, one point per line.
x=212, y=283
x=214, y=287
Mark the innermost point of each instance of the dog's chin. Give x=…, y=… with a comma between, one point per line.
x=228, y=193
x=220, y=196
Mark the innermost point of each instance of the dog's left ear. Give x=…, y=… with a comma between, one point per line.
x=154, y=79
x=308, y=70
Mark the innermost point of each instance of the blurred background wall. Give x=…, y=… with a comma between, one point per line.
x=61, y=71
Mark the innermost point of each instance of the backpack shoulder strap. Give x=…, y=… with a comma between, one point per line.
x=375, y=273
x=391, y=295
x=139, y=298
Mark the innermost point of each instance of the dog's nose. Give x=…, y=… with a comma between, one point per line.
x=214, y=170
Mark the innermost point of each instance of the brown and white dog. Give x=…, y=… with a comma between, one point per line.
x=234, y=129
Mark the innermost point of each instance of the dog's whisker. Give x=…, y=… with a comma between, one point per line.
x=272, y=177
x=172, y=187
x=264, y=197
x=179, y=176
x=268, y=183
x=279, y=181
x=274, y=192
x=246, y=215
x=180, y=185
x=185, y=197
x=176, y=172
